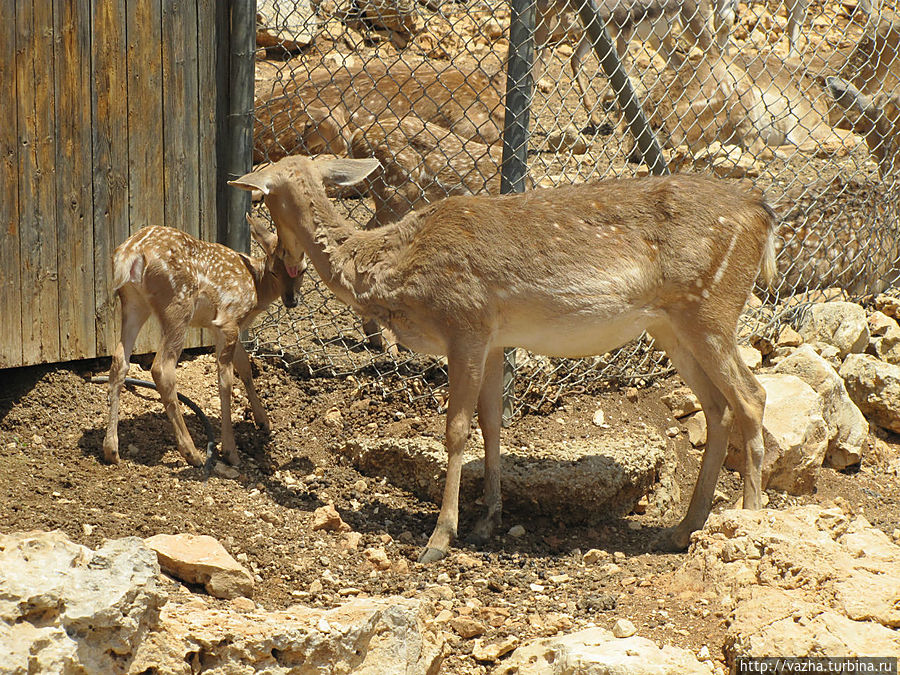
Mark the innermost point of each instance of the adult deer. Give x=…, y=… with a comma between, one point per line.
x=569, y=271
x=185, y=282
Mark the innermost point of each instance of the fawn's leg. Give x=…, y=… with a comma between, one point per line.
x=226, y=342
x=245, y=372
x=134, y=312
x=163, y=371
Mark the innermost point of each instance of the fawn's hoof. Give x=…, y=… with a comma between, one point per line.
x=430, y=555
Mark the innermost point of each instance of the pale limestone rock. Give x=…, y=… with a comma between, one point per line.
x=696, y=429
x=788, y=337
x=809, y=581
x=751, y=356
x=467, y=627
x=491, y=650
x=595, y=651
x=623, y=628
x=65, y=608
x=681, y=402
x=580, y=481
x=842, y=324
x=848, y=429
x=327, y=518
x=875, y=388
x=568, y=140
x=888, y=304
x=201, y=559
x=363, y=636
x=880, y=323
x=888, y=347
x=794, y=432
x=291, y=24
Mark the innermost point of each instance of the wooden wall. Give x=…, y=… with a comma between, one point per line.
x=112, y=122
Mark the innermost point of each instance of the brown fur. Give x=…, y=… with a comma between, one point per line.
x=319, y=113
x=568, y=271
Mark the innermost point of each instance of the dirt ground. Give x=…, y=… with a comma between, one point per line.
x=52, y=423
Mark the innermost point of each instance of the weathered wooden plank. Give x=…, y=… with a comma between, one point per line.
x=207, y=42
x=37, y=198
x=145, y=130
x=74, y=206
x=110, y=159
x=10, y=283
x=181, y=121
x=180, y=114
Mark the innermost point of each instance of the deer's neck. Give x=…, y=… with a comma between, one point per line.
x=323, y=235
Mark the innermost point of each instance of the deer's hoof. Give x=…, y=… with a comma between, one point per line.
x=672, y=540
x=430, y=555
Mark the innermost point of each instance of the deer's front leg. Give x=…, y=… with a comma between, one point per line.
x=465, y=382
x=226, y=347
x=245, y=372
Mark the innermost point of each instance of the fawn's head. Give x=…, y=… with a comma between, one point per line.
x=287, y=278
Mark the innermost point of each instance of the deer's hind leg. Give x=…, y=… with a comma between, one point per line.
x=135, y=311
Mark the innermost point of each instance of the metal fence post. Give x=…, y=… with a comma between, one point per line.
x=651, y=154
x=514, y=166
x=238, y=155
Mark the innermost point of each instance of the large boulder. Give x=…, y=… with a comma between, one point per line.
x=591, y=479
x=847, y=426
x=806, y=581
x=67, y=609
x=596, y=651
x=363, y=636
x=290, y=24
x=841, y=324
x=875, y=387
x=794, y=432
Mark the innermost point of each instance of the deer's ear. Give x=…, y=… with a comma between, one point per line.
x=261, y=180
x=346, y=172
x=266, y=239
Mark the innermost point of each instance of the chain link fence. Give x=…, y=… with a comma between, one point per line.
x=801, y=98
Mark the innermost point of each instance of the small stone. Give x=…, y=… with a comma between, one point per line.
x=751, y=356
x=327, y=518
x=323, y=626
x=681, y=402
x=37, y=439
x=672, y=432
x=349, y=590
x=201, y=560
x=537, y=588
x=466, y=560
x=333, y=418
x=594, y=556
x=516, y=531
x=443, y=578
x=623, y=628
x=599, y=419
x=378, y=557
x=87, y=529
x=243, y=604
x=567, y=140
x=361, y=485
x=888, y=305
x=224, y=471
x=703, y=654
x=350, y=542
x=316, y=587
x=631, y=393
x=695, y=425
x=467, y=627
x=880, y=323
x=492, y=650
x=788, y=337
x=559, y=578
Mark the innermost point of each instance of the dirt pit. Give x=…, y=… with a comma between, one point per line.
x=52, y=423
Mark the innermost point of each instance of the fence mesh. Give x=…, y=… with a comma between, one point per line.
x=799, y=99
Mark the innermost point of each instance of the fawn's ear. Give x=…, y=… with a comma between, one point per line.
x=346, y=172
x=266, y=239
